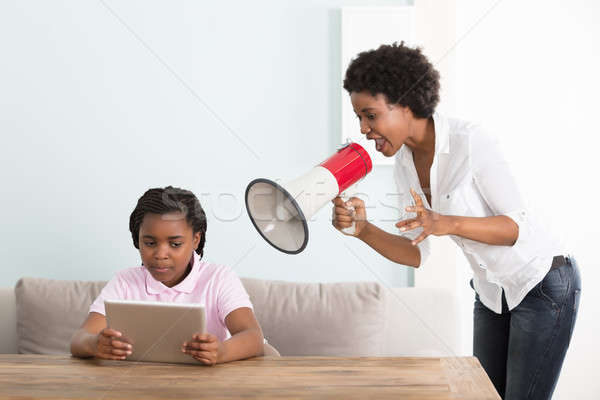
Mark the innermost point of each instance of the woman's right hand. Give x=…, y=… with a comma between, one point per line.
x=109, y=346
x=344, y=216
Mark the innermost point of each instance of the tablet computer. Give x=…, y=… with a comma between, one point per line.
x=156, y=330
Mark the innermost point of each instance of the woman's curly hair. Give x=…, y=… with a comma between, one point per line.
x=163, y=201
x=402, y=74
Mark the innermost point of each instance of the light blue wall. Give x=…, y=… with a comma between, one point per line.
x=100, y=101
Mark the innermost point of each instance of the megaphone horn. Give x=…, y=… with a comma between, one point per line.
x=280, y=212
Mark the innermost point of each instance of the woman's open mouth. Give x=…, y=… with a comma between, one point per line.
x=379, y=143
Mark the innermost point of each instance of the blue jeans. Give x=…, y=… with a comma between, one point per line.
x=522, y=350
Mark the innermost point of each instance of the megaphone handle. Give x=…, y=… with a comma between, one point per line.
x=352, y=228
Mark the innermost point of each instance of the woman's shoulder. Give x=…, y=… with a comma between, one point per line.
x=460, y=126
x=468, y=136
x=475, y=141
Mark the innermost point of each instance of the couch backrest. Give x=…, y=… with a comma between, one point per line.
x=297, y=318
x=49, y=311
x=345, y=319
x=8, y=321
x=330, y=319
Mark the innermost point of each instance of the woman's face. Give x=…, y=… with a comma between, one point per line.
x=387, y=124
x=167, y=243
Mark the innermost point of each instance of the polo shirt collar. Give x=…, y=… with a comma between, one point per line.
x=186, y=286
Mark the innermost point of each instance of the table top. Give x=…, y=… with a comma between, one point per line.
x=62, y=376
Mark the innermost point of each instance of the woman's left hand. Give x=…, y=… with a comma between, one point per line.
x=431, y=222
x=204, y=347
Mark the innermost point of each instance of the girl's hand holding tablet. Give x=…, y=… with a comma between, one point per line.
x=204, y=347
x=111, y=346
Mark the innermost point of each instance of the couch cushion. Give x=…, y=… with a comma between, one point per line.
x=338, y=319
x=49, y=312
x=333, y=319
x=8, y=324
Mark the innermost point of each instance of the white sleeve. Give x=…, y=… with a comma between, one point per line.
x=496, y=183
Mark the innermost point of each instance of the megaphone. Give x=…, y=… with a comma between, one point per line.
x=280, y=212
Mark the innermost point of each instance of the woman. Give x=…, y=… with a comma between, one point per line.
x=453, y=180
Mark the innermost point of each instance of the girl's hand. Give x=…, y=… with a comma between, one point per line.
x=343, y=217
x=432, y=222
x=109, y=347
x=204, y=347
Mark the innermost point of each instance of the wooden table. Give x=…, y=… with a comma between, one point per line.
x=53, y=377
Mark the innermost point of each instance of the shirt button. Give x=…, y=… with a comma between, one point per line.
x=447, y=196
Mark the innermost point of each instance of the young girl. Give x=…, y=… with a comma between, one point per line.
x=168, y=226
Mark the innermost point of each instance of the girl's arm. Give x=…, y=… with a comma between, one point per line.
x=246, y=340
x=246, y=336
x=93, y=339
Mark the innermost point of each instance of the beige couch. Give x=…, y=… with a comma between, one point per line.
x=336, y=319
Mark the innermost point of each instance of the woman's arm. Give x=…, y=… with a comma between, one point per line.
x=93, y=339
x=498, y=230
x=246, y=340
x=393, y=247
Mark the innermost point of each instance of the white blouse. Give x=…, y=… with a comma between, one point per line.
x=470, y=177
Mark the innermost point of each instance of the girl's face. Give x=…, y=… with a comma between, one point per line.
x=167, y=243
x=387, y=124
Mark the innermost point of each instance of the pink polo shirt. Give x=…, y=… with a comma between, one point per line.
x=217, y=287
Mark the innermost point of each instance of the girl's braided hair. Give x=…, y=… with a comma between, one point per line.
x=163, y=201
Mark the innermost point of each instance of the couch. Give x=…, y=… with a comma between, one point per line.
x=298, y=319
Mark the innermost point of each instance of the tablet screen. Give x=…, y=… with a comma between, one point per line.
x=156, y=330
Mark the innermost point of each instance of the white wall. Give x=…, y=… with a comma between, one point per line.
x=529, y=70
x=100, y=101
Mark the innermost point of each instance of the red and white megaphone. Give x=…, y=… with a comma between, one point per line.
x=280, y=212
